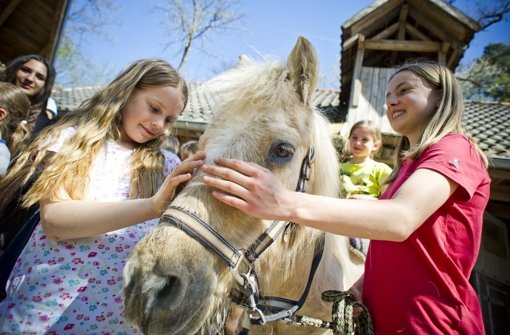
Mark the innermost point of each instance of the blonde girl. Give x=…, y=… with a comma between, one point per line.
x=425, y=229
x=102, y=184
x=361, y=176
x=14, y=106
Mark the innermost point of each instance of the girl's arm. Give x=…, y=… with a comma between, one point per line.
x=68, y=219
x=257, y=192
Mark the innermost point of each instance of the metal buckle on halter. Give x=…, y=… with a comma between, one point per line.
x=246, y=296
x=239, y=277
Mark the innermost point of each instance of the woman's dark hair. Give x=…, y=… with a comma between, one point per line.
x=9, y=76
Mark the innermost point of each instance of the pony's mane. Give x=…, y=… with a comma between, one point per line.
x=326, y=173
x=265, y=83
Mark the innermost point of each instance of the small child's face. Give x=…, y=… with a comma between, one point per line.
x=31, y=77
x=362, y=143
x=149, y=113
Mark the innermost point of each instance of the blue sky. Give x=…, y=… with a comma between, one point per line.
x=269, y=29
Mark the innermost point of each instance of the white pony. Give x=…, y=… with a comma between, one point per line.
x=177, y=283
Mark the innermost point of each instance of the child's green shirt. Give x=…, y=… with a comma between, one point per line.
x=365, y=178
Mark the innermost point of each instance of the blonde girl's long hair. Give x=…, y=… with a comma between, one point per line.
x=13, y=128
x=447, y=117
x=97, y=120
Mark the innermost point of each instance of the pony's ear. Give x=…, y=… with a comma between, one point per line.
x=304, y=69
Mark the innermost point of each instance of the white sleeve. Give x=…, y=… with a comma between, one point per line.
x=51, y=105
x=5, y=158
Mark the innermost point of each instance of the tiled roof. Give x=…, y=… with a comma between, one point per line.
x=488, y=123
x=200, y=101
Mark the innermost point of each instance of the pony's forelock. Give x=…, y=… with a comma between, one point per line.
x=254, y=82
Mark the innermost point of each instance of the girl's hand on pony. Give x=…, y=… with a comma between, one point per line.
x=248, y=187
x=178, y=177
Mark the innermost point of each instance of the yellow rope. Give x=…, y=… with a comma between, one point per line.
x=343, y=322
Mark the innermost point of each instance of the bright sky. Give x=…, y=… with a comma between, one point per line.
x=269, y=28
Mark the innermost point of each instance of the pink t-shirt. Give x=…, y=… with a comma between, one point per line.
x=421, y=285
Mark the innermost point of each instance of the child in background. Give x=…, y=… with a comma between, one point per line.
x=102, y=185
x=362, y=176
x=171, y=144
x=14, y=106
x=189, y=148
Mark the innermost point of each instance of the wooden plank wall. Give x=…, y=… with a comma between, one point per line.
x=371, y=99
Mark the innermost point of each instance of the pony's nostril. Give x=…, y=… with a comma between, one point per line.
x=171, y=290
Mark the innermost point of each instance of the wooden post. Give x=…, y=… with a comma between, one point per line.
x=356, y=76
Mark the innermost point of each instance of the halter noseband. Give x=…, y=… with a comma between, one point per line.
x=246, y=293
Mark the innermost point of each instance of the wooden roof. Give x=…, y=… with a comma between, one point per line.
x=392, y=31
x=30, y=27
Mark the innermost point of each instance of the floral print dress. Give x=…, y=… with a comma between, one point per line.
x=75, y=286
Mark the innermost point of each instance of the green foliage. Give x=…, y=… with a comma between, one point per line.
x=488, y=77
x=498, y=53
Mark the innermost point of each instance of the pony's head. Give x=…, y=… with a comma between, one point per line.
x=175, y=285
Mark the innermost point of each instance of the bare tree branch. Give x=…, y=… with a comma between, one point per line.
x=191, y=21
x=491, y=15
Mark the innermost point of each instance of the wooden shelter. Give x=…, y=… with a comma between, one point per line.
x=390, y=32
x=387, y=33
x=30, y=27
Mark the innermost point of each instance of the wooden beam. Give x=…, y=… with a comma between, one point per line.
x=382, y=13
x=454, y=56
x=415, y=33
x=356, y=75
x=350, y=42
x=386, y=32
x=8, y=10
x=441, y=55
x=404, y=10
x=393, y=45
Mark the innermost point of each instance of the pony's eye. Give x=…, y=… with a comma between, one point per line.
x=281, y=153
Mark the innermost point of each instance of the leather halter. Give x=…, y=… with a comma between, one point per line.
x=246, y=293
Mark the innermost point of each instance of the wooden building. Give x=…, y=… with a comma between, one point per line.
x=388, y=33
x=30, y=27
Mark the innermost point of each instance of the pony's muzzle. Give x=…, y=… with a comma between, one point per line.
x=163, y=298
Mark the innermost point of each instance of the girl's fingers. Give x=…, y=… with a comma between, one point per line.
x=231, y=200
x=226, y=173
x=227, y=186
x=245, y=168
x=187, y=167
